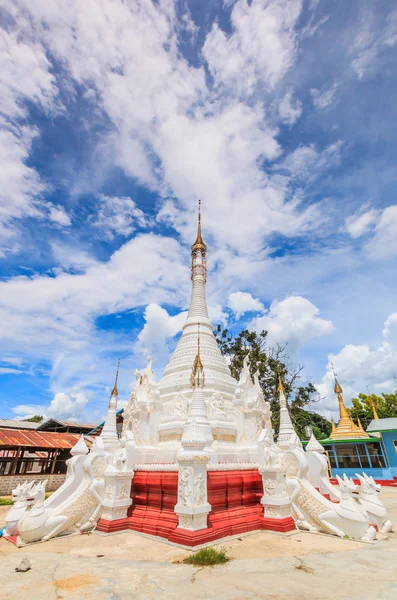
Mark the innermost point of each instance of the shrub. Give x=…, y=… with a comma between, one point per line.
x=207, y=557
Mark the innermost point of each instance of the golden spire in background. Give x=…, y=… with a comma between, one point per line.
x=375, y=412
x=346, y=428
x=372, y=403
x=280, y=387
x=199, y=244
x=114, y=390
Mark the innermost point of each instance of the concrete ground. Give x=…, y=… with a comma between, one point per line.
x=301, y=566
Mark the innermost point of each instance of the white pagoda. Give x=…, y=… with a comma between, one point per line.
x=157, y=412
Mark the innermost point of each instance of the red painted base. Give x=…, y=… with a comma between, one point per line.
x=234, y=497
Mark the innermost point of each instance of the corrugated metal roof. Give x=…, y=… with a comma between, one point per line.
x=66, y=424
x=37, y=439
x=14, y=424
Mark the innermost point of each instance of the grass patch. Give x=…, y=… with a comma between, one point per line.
x=6, y=501
x=207, y=557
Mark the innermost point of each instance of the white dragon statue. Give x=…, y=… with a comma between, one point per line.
x=41, y=523
x=368, y=493
x=312, y=511
x=19, y=497
x=369, y=498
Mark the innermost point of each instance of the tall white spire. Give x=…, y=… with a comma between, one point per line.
x=198, y=312
x=109, y=430
x=177, y=373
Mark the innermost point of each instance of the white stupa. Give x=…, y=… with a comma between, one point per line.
x=157, y=412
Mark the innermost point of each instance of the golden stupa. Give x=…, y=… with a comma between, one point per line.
x=346, y=428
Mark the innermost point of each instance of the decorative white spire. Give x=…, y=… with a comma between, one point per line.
x=198, y=312
x=286, y=436
x=314, y=445
x=178, y=371
x=197, y=430
x=109, y=430
x=80, y=447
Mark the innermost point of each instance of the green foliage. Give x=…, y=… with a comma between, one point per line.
x=207, y=557
x=270, y=362
x=5, y=501
x=385, y=405
x=34, y=419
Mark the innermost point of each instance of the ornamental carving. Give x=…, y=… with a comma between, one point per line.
x=179, y=406
x=270, y=511
x=199, y=488
x=184, y=488
x=269, y=487
x=123, y=494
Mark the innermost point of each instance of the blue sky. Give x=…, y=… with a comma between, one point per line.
x=115, y=117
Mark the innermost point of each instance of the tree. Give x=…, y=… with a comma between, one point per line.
x=271, y=362
x=385, y=406
x=34, y=419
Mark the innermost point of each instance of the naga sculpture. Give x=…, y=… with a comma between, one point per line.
x=19, y=497
x=370, y=500
x=40, y=523
x=312, y=511
x=368, y=492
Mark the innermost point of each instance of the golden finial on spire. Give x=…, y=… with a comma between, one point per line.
x=337, y=387
x=333, y=425
x=114, y=390
x=199, y=244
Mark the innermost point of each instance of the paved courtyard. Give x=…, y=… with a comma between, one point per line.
x=268, y=566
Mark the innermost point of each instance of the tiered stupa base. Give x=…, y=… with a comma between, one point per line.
x=235, y=498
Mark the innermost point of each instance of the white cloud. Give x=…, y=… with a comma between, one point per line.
x=24, y=74
x=384, y=242
x=360, y=223
x=243, y=302
x=178, y=134
x=360, y=366
x=369, y=42
x=53, y=318
x=307, y=162
x=323, y=98
x=71, y=257
x=262, y=44
x=158, y=329
x=10, y=370
x=67, y=406
x=20, y=185
x=58, y=214
x=288, y=110
x=24, y=77
x=292, y=321
x=12, y=360
x=118, y=216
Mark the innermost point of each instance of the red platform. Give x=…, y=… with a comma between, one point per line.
x=234, y=497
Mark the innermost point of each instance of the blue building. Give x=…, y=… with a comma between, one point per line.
x=387, y=430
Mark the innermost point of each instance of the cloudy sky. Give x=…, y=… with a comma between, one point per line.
x=116, y=116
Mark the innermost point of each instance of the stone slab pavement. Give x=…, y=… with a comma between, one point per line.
x=267, y=566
